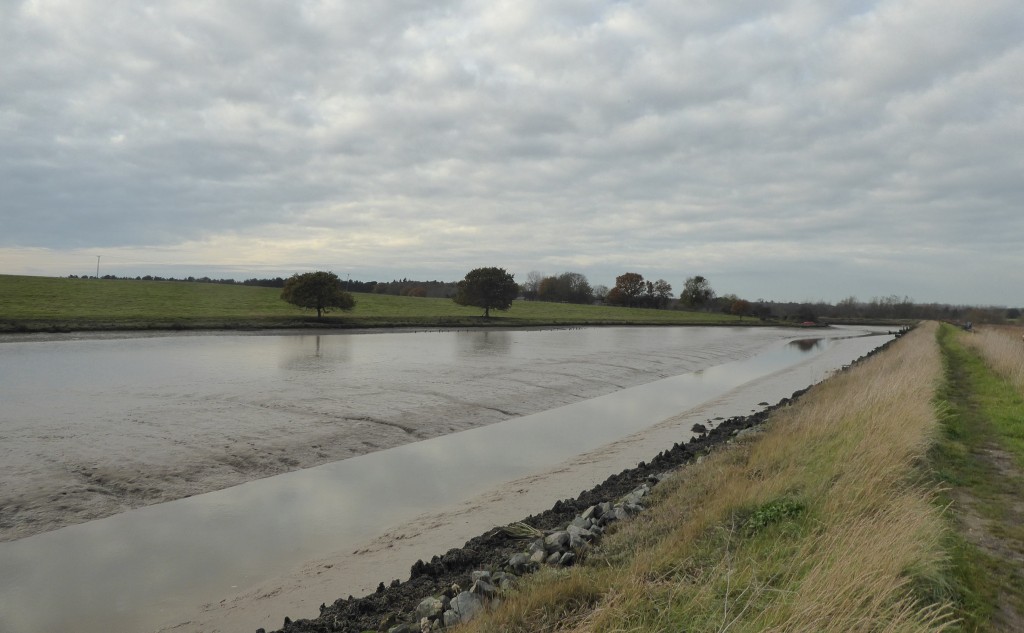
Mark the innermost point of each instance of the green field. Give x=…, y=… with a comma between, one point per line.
x=50, y=304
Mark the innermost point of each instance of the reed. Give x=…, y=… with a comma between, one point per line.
x=1002, y=347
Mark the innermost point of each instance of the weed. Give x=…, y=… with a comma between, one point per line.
x=771, y=513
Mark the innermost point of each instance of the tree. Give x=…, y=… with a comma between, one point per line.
x=487, y=288
x=660, y=292
x=848, y=307
x=724, y=303
x=578, y=289
x=318, y=291
x=569, y=287
x=696, y=292
x=548, y=290
x=762, y=311
x=740, y=308
x=532, y=286
x=805, y=313
x=629, y=287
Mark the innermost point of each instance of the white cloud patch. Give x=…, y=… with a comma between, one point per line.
x=761, y=144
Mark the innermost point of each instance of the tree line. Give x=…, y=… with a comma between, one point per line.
x=630, y=290
x=397, y=287
x=487, y=288
x=273, y=282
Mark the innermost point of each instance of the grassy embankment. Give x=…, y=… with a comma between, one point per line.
x=49, y=304
x=832, y=520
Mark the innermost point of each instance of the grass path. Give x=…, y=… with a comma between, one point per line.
x=981, y=460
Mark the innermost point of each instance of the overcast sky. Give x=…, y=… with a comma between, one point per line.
x=790, y=150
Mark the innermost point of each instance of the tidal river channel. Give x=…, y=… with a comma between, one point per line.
x=184, y=471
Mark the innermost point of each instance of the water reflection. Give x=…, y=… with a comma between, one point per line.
x=489, y=343
x=806, y=344
x=313, y=353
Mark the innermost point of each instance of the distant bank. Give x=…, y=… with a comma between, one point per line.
x=52, y=304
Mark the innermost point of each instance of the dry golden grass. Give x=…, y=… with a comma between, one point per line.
x=1002, y=347
x=824, y=523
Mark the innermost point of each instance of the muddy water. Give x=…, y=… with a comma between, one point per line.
x=135, y=570
x=89, y=428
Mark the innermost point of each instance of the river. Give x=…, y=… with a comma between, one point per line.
x=93, y=427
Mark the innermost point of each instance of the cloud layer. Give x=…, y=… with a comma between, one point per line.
x=793, y=150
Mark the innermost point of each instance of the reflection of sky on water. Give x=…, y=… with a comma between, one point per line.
x=203, y=364
x=93, y=576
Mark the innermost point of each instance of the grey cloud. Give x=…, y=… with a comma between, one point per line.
x=636, y=127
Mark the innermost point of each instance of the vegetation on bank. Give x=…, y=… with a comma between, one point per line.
x=696, y=294
x=889, y=498
x=829, y=521
x=49, y=304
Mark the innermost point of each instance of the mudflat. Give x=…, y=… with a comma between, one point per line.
x=93, y=425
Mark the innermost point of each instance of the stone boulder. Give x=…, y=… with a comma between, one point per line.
x=463, y=608
x=429, y=607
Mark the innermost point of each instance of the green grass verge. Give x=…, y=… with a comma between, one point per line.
x=46, y=304
x=982, y=418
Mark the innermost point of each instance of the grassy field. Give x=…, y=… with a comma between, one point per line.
x=42, y=304
x=837, y=518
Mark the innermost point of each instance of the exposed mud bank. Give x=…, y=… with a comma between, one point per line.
x=94, y=426
x=493, y=550
x=396, y=600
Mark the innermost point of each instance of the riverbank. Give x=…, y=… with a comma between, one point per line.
x=888, y=498
x=33, y=305
x=782, y=531
x=779, y=529
x=56, y=305
x=395, y=600
x=557, y=594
